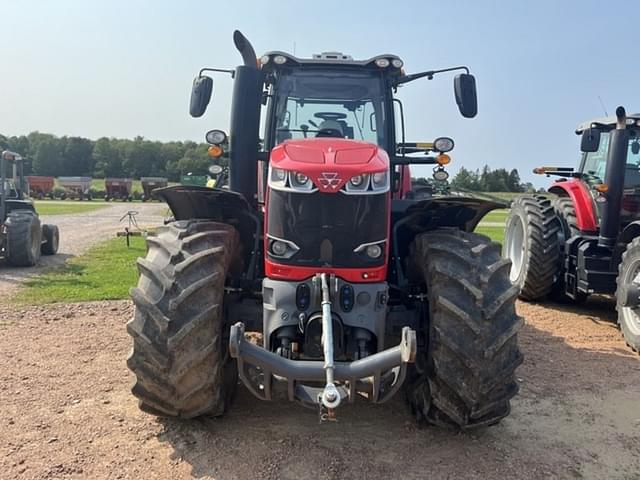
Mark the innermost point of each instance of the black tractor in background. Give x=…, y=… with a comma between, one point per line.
x=23, y=238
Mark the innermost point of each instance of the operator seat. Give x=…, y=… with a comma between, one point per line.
x=330, y=128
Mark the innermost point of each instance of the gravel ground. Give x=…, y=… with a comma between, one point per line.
x=66, y=412
x=78, y=232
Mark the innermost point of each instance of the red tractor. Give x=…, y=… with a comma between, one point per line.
x=358, y=290
x=587, y=239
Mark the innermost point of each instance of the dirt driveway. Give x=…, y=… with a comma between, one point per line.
x=66, y=412
x=78, y=232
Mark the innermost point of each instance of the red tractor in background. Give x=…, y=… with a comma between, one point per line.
x=587, y=239
x=358, y=290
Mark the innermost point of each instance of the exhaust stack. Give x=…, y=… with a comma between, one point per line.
x=614, y=179
x=245, y=122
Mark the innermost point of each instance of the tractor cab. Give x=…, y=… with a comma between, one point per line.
x=13, y=185
x=593, y=166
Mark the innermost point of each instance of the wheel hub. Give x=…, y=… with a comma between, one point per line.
x=631, y=297
x=515, y=246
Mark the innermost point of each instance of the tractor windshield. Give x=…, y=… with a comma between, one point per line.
x=339, y=104
x=595, y=163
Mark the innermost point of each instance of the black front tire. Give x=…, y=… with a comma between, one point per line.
x=629, y=273
x=24, y=238
x=51, y=237
x=532, y=244
x=465, y=376
x=180, y=338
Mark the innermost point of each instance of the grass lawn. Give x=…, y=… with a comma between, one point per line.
x=106, y=272
x=496, y=216
x=494, y=233
x=44, y=207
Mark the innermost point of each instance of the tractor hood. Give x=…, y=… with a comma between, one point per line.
x=329, y=162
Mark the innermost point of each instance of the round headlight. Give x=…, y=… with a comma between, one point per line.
x=279, y=174
x=443, y=144
x=357, y=180
x=215, y=169
x=264, y=59
x=382, y=62
x=440, y=175
x=278, y=248
x=280, y=59
x=374, y=251
x=215, y=137
x=397, y=63
x=301, y=178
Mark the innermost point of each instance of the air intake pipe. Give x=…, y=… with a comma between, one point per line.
x=614, y=179
x=245, y=121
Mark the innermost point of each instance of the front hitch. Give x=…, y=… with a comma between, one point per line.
x=269, y=376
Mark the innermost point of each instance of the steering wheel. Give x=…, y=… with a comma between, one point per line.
x=329, y=132
x=330, y=115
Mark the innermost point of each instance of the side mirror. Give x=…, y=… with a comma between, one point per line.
x=200, y=95
x=464, y=86
x=590, y=140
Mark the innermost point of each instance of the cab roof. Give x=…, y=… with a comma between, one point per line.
x=333, y=59
x=608, y=123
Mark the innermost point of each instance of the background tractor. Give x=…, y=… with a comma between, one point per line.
x=358, y=290
x=22, y=237
x=587, y=239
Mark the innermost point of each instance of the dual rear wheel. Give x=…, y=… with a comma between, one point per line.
x=536, y=231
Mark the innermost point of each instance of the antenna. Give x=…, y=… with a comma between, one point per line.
x=603, y=107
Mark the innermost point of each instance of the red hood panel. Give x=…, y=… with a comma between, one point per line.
x=329, y=162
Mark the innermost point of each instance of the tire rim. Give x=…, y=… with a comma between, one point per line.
x=514, y=243
x=632, y=315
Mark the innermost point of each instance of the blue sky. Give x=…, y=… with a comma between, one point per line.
x=124, y=68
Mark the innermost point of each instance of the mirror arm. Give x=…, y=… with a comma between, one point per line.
x=429, y=74
x=400, y=160
x=230, y=72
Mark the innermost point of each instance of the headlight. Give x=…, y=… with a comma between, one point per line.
x=440, y=175
x=216, y=137
x=282, y=248
x=382, y=62
x=358, y=183
x=299, y=182
x=374, y=251
x=280, y=59
x=278, y=248
x=280, y=179
x=443, y=144
x=357, y=180
x=380, y=181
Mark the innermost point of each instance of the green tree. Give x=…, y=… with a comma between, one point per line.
x=107, y=158
x=195, y=160
x=77, y=156
x=48, y=157
x=465, y=180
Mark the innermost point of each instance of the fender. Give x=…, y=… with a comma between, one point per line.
x=630, y=232
x=581, y=198
x=224, y=206
x=459, y=212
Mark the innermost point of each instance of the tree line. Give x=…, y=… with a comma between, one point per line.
x=49, y=155
x=487, y=180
